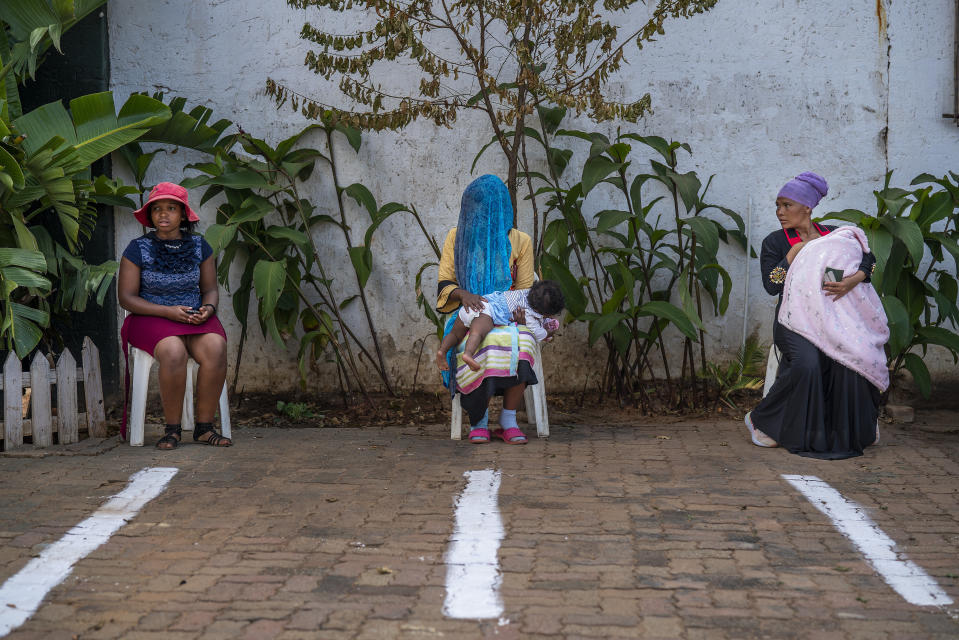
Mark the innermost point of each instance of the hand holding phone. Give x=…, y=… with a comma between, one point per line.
x=833, y=275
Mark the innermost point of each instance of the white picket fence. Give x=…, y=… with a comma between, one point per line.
x=40, y=379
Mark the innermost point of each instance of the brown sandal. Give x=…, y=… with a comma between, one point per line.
x=214, y=439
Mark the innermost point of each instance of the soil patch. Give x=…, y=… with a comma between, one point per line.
x=299, y=411
x=422, y=408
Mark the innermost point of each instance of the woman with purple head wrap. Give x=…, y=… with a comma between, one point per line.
x=806, y=189
x=817, y=407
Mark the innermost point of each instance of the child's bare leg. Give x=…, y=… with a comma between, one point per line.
x=453, y=338
x=481, y=326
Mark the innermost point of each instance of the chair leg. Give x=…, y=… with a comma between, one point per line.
x=529, y=399
x=456, y=422
x=142, y=362
x=539, y=399
x=542, y=419
x=772, y=368
x=187, y=419
x=225, y=414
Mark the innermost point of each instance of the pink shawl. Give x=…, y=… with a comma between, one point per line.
x=852, y=330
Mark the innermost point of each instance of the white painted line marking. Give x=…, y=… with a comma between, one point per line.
x=472, y=567
x=902, y=574
x=21, y=595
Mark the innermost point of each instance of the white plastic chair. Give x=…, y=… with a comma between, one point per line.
x=142, y=362
x=772, y=368
x=534, y=397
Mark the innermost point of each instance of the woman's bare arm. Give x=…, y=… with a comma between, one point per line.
x=209, y=292
x=844, y=286
x=128, y=294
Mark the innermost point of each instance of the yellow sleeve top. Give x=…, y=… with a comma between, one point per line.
x=520, y=265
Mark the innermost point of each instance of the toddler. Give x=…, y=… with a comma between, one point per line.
x=540, y=303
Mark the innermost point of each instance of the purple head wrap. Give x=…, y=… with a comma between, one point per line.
x=807, y=188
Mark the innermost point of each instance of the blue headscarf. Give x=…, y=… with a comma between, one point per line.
x=482, y=249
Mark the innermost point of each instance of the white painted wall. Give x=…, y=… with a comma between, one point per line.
x=761, y=90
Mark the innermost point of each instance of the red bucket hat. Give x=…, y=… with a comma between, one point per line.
x=165, y=191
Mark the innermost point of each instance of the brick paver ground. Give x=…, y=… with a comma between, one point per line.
x=682, y=530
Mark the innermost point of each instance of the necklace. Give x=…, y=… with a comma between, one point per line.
x=171, y=244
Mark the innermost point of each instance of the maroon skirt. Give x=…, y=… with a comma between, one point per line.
x=144, y=332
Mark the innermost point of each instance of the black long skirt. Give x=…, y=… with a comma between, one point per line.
x=476, y=402
x=817, y=407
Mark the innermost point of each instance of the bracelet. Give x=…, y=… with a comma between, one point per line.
x=212, y=306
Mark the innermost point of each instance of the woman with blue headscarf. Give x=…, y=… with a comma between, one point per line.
x=483, y=254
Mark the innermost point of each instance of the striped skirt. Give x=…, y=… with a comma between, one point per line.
x=506, y=359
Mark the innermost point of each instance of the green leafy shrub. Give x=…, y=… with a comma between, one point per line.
x=268, y=225
x=744, y=373
x=632, y=271
x=296, y=410
x=48, y=195
x=913, y=235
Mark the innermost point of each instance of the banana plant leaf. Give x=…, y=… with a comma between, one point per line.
x=20, y=324
x=188, y=129
x=10, y=106
x=11, y=175
x=94, y=130
x=35, y=25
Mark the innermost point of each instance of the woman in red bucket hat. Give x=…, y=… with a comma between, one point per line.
x=167, y=282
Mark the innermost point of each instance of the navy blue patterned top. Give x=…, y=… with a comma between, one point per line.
x=169, y=269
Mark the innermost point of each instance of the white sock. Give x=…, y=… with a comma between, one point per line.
x=482, y=424
x=507, y=419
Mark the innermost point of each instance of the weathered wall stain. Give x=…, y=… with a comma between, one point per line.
x=881, y=16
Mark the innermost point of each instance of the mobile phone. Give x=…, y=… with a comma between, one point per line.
x=833, y=275
x=193, y=311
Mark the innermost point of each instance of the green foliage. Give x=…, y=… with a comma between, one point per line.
x=508, y=60
x=425, y=301
x=189, y=129
x=48, y=197
x=915, y=239
x=30, y=28
x=633, y=271
x=744, y=373
x=266, y=229
x=22, y=269
x=560, y=51
x=502, y=58
x=48, y=206
x=296, y=410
